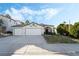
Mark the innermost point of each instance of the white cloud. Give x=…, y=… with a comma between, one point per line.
x=14, y=14
x=26, y=13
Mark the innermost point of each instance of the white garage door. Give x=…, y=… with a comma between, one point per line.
x=33, y=31
x=19, y=31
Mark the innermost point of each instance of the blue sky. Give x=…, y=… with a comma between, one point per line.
x=47, y=13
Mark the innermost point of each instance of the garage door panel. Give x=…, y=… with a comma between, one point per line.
x=19, y=32
x=33, y=31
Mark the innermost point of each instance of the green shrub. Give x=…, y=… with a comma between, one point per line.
x=63, y=29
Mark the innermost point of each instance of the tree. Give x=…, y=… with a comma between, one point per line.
x=8, y=16
x=72, y=31
x=60, y=29
x=63, y=29
x=2, y=28
x=23, y=24
x=75, y=30
x=64, y=22
x=1, y=22
x=27, y=22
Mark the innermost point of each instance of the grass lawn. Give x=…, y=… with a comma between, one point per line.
x=59, y=39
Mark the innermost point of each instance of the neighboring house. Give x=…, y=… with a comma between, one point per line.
x=8, y=22
x=31, y=29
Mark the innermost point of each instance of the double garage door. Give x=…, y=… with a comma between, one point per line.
x=31, y=31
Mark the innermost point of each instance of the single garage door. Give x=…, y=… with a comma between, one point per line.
x=33, y=31
x=19, y=31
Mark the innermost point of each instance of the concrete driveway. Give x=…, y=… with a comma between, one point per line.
x=34, y=45
x=19, y=44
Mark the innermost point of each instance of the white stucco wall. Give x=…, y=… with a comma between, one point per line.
x=8, y=23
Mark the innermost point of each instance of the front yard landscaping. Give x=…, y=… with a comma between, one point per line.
x=60, y=39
